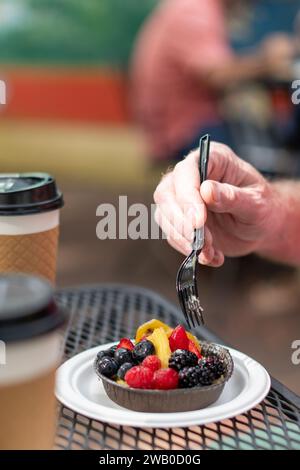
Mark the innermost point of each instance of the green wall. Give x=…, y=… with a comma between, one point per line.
x=70, y=31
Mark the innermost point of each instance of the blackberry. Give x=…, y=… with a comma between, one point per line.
x=214, y=365
x=123, y=369
x=189, y=377
x=143, y=349
x=182, y=358
x=123, y=355
x=107, y=366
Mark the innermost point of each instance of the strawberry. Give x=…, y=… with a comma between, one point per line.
x=193, y=348
x=165, y=379
x=139, y=377
x=125, y=343
x=178, y=339
x=153, y=362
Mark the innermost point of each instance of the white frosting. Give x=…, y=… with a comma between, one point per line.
x=27, y=224
x=28, y=359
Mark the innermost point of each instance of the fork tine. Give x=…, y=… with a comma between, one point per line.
x=181, y=292
x=199, y=310
x=186, y=307
x=194, y=309
x=183, y=307
x=189, y=306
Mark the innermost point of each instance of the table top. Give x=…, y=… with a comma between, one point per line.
x=107, y=312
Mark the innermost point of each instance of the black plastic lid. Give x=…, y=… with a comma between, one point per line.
x=28, y=193
x=27, y=308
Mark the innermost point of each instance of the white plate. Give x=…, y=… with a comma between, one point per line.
x=78, y=388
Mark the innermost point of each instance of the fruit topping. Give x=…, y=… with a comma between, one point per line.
x=121, y=382
x=147, y=329
x=165, y=379
x=162, y=358
x=189, y=377
x=193, y=348
x=123, y=369
x=125, y=343
x=123, y=355
x=178, y=339
x=160, y=341
x=143, y=349
x=139, y=377
x=182, y=358
x=106, y=353
x=107, y=366
x=212, y=369
x=153, y=362
x=194, y=340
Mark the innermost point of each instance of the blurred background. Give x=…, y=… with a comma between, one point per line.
x=88, y=89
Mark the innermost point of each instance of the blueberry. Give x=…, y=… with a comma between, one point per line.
x=107, y=366
x=123, y=355
x=106, y=353
x=123, y=369
x=143, y=349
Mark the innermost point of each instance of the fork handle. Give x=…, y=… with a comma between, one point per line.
x=204, y=148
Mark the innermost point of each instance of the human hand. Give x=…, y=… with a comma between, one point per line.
x=277, y=53
x=237, y=205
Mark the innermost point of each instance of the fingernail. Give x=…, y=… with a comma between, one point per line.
x=215, y=193
x=193, y=215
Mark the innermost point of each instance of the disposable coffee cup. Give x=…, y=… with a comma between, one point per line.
x=30, y=349
x=29, y=224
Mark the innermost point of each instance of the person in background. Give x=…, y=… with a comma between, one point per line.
x=182, y=62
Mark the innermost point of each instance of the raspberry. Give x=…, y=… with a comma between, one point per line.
x=139, y=377
x=178, y=339
x=165, y=379
x=125, y=343
x=153, y=362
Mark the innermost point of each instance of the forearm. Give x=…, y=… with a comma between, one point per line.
x=235, y=71
x=282, y=240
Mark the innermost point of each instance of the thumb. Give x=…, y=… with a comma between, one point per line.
x=226, y=198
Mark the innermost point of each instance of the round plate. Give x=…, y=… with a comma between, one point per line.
x=78, y=388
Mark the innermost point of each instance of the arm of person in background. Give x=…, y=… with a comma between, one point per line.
x=272, y=59
x=200, y=45
x=243, y=212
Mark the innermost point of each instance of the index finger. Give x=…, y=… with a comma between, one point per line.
x=186, y=181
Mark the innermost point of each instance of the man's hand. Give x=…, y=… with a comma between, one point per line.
x=240, y=208
x=277, y=54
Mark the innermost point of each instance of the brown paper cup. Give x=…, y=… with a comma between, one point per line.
x=30, y=330
x=27, y=401
x=28, y=244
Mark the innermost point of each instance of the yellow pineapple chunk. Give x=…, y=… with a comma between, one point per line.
x=147, y=329
x=160, y=341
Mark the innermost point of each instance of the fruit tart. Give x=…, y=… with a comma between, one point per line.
x=163, y=370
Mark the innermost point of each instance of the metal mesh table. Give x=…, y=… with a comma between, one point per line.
x=101, y=314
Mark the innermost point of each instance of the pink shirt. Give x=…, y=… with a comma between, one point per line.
x=168, y=98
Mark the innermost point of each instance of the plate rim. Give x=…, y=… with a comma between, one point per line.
x=69, y=397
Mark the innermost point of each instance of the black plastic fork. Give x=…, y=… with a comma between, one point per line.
x=186, y=281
